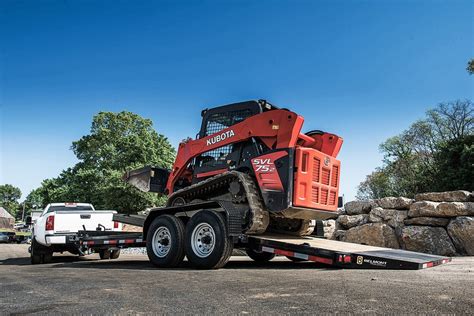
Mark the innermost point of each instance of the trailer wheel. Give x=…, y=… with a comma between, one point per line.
x=165, y=241
x=259, y=256
x=208, y=245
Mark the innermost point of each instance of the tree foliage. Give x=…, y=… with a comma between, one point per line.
x=9, y=196
x=470, y=66
x=434, y=154
x=117, y=142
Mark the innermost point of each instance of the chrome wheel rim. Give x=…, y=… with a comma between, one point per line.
x=203, y=240
x=161, y=242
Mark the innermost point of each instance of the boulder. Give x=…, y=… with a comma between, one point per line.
x=397, y=203
x=451, y=196
x=461, y=231
x=443, y=209
x=374, y=234
x=427, y=221
x=349, y=221
x=394, y=218
x=422, y=208
x=329, y=227
x=339, y=234
x=452, y=209
x=434, y=240
x=358, y=207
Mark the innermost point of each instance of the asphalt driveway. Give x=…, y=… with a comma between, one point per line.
x=132, y=285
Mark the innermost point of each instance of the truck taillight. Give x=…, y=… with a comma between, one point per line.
x=116, y=225
x=50, y=223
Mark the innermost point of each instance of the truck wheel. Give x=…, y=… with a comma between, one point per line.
x=259, y=256
x=47, y=257
x=165, y=241
x=35, y=255
x=104, y=254
x=114, y=254
x=207, y=243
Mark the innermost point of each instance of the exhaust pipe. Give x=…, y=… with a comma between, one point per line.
x=148, y=179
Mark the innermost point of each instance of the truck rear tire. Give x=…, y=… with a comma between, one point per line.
x=35, y=255
x=165, y=241
x=40, y=254
x=259, y=256
x=115, y=254
x=208, y=245
x=104, y=254
x=109, y=254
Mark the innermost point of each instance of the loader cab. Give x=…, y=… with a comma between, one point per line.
x=216, y=119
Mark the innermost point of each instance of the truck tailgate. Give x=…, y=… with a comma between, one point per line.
x=73, y=221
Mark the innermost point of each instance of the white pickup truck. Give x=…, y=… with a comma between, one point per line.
x=57, y=227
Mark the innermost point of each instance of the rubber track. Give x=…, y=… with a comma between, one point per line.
x=204, y=190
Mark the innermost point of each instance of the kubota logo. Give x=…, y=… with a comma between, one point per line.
x=220, y=137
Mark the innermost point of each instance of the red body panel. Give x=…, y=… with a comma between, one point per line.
x=316, y=181
x=277, y=129
x=266, y=173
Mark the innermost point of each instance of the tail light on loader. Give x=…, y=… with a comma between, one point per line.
x=116, y=225
x=50, y=223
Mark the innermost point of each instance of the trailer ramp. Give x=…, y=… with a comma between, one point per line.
x=344, y=254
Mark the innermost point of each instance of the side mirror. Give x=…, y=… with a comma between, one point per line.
x=28, y=220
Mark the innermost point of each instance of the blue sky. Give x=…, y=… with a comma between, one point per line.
x=364, y=70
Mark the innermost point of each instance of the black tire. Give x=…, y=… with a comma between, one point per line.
x=35, y=254
x=171, y=230
x=259, y=256
x=217, y=249
x=295, y=259
x=48, y=257
x=115, y=254
x=104, y=254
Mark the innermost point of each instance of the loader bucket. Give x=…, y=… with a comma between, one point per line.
x=148, y=179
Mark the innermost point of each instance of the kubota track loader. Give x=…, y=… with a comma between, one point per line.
x=249, y=180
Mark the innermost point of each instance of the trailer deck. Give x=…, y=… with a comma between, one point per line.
x=329, y=252
x=344, y=254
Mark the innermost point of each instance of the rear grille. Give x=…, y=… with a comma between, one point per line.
x=324, y=197
x=315, y=194
x=316, y=184
x=325, y=177
x=335, y=176
x=316, y=165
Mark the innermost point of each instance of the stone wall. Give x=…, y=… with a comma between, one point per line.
x=439, y=223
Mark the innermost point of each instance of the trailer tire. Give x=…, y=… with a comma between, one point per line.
x=214, y=251
x=165, y=241
x=259, y=256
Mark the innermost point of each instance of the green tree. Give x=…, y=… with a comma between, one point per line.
x=34, y=200
x=470, y=67
x=9, y=196
x=429, y=156
x=117, y=142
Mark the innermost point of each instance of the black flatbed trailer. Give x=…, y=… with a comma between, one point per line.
x=329, y=252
